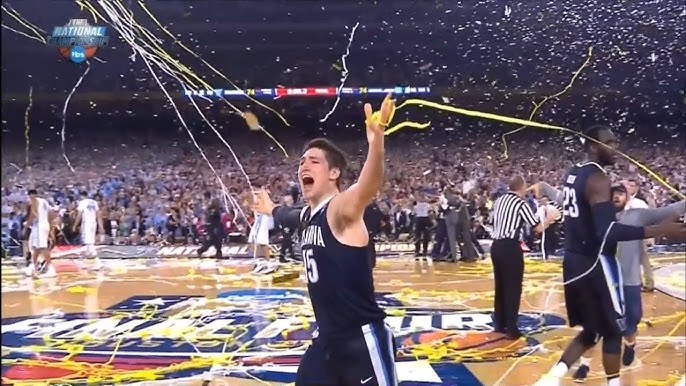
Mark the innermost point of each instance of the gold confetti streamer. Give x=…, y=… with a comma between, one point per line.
x=152, y=44
x=518, y=121
x=556, y=95
x=128, y=34
x=177, y=41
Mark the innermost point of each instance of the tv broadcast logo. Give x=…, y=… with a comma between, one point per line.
x=78, y=41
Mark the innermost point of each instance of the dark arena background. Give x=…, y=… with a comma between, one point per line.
x=194, y=100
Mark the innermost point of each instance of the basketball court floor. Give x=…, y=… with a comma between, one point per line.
x=201, y=322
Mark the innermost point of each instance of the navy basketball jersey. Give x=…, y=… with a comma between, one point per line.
x=579, y=226
x=339, y=278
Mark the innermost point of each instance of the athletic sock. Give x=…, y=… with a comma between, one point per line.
x=559, y=370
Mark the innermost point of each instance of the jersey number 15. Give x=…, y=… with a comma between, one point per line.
x=310, y=266
x=570, y=208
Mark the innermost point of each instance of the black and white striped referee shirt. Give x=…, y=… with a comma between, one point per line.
x=510, y=212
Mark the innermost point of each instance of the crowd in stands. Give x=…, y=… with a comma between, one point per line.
x=154, y=193
x=485, y=56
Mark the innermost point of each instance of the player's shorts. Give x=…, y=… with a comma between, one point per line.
x=595, y=301
x=367, y=358
x=39, y=237
x=259, y=233
x=88, y=235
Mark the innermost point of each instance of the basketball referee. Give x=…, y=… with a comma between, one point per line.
x=510, y=212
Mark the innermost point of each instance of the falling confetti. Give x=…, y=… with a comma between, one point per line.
x=126, y=25
x=38, y=34
x=344, y=73
x=27, y=128
x=462, y=53
x=553, y=96
x=64, y=114
x=224, y=77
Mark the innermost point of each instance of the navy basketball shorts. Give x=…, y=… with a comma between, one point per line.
x=365, y=358
x=596, y=300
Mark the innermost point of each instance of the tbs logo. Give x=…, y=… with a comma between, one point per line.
x=77, y=54
x=78, y=41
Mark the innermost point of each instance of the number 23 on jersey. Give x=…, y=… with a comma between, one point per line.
x=570, y=208
x=310, y=266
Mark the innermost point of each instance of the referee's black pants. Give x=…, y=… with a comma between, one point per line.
x=508, y=272
x=421, y=235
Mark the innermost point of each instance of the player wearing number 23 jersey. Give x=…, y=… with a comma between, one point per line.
x=592, y=279
x=600, y=286
x=578, y=220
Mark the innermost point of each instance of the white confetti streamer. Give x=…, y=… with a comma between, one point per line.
x=39, y=32
x=16, y=16
x=233, y=202
x=235, y=157
x=344, y=74
x=64, y=114
x=27, y=128
x=130, y=37
x=22, y=33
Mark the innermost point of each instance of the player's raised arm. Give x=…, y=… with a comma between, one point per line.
x=350, y=204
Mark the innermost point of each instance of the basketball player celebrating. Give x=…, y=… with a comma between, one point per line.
x=353, y=345
x=40, y=219
x=88, y=216
x=631, y=254
x=593, y=296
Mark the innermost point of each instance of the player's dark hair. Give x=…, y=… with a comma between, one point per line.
x=334, y=156
x=83, y=193
x=593, y=132
x=32, y=191
x=618, y=189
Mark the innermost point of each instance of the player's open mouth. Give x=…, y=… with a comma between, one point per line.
x=307, y=181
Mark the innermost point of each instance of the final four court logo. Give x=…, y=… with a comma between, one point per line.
x=252, y=333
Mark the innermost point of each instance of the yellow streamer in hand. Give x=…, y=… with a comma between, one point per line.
x=518, y=121
x=539, y=104
x=376, y=118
